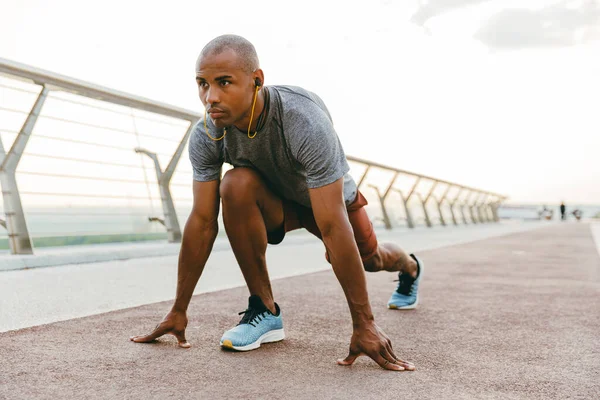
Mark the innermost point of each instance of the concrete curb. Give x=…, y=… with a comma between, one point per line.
x=54, y=256
x=85, y=254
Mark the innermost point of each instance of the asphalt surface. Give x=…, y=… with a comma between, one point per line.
x=508, y=317
x=37, y=296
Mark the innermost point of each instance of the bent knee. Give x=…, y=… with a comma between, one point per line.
x=239, y=183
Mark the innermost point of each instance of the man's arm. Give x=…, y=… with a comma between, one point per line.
x=199, y=236
x=332, y=219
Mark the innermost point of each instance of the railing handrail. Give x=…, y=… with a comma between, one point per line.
x=403, y=171
x=67, y=84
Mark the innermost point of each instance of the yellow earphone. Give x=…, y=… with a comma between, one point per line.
x=257, y=85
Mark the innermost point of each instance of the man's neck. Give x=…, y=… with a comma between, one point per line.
x=258, y=109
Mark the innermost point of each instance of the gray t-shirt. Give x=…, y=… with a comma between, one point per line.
x=296, y=148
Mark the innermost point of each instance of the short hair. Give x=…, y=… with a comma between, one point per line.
x=241, y=46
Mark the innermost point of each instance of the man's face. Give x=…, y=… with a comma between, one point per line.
x=225, y=89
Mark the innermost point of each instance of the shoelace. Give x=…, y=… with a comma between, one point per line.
x=252, y=316
x=405, y=284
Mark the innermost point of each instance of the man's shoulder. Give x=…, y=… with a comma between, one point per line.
x=201, y=146
x=296, y=96
x=291, y=90
x=297, y=101
x=199, y=134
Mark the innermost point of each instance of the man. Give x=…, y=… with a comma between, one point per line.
x=290, y=172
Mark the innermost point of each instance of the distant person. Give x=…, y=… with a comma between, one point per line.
x=290, y=172
x=563, y=211
x=577, y=213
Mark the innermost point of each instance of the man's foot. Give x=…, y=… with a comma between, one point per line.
x=258, y=325
x=406, y=296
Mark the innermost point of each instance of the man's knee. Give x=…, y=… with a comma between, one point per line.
x=239, y=184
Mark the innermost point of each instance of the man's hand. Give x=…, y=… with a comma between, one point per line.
x=369, y=340
x=173, y=323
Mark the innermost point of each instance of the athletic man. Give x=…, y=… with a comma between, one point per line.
x=290, y=172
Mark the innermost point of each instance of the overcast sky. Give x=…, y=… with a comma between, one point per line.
x=492, y=94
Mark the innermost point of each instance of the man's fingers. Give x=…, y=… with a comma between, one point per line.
x=181, y=340
x=387, y=364
x=389, y=343
x=407, y=365
x=157, y=332
x=390, y=357
x=350, y=359
x=388, y=347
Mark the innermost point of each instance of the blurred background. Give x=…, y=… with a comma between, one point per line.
x=498, y=95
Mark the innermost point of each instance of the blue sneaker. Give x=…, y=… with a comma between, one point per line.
x=258, y=325
x=406, y=296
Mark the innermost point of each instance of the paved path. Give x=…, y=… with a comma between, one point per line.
x=508, y=317
x=44, y=295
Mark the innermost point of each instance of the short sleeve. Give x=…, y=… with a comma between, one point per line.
x=315, y=145
x=205, y=157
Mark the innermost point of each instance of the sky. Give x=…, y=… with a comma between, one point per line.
x=492, y=94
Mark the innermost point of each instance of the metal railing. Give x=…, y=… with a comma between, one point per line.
x=97, y=141
x=15, y=223
x=482, y=205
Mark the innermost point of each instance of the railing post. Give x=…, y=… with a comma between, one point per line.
x=487, y=208
x=424, y=202
x=463, y=205
x=472, y=208
x=18, y=233
x=386, y=218
x=495, y=205
x=409, y=219
x=363, y=177
x=170, y=222
x=439, y=205
x=452, y=203
x=426, y=214
x=485, y=212
x=481, y=204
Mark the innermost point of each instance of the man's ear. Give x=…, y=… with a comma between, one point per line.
x=259, y=77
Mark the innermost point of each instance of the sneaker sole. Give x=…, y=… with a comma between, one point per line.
x=269, y=337
x=409, y=307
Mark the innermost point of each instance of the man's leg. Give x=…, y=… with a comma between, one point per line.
x=376, y=257
x=390, y=257
x=250, y=210
x=386, y=257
